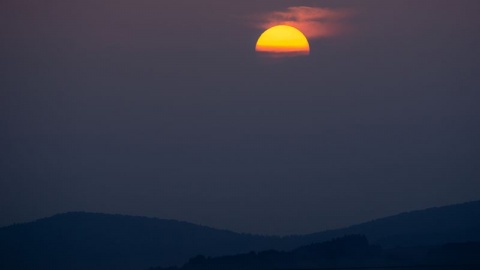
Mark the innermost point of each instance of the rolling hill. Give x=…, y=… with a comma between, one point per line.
x=81, y=240
x=433, y=226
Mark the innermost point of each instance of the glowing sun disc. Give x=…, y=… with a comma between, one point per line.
x=283, y=39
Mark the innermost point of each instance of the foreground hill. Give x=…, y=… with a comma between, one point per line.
x=349, y=252
x=100, y=241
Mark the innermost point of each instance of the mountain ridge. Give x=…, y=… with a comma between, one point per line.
x=437, y=220
x=82, y=240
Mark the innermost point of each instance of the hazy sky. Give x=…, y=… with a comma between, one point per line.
x=163, y=108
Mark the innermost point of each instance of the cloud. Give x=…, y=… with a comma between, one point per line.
x=314, y=22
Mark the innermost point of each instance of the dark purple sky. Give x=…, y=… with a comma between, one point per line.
x=162, y=108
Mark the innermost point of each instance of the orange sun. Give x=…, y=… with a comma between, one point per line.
x=283, y=39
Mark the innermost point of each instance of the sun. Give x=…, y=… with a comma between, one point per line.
x=283, y=39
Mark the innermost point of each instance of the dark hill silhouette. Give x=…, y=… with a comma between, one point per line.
x=339, y=252
x=100, y=241
x=347, y=252
x=434, y=226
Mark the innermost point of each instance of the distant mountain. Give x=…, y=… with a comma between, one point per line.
x=100, y=241
x=434, y=226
